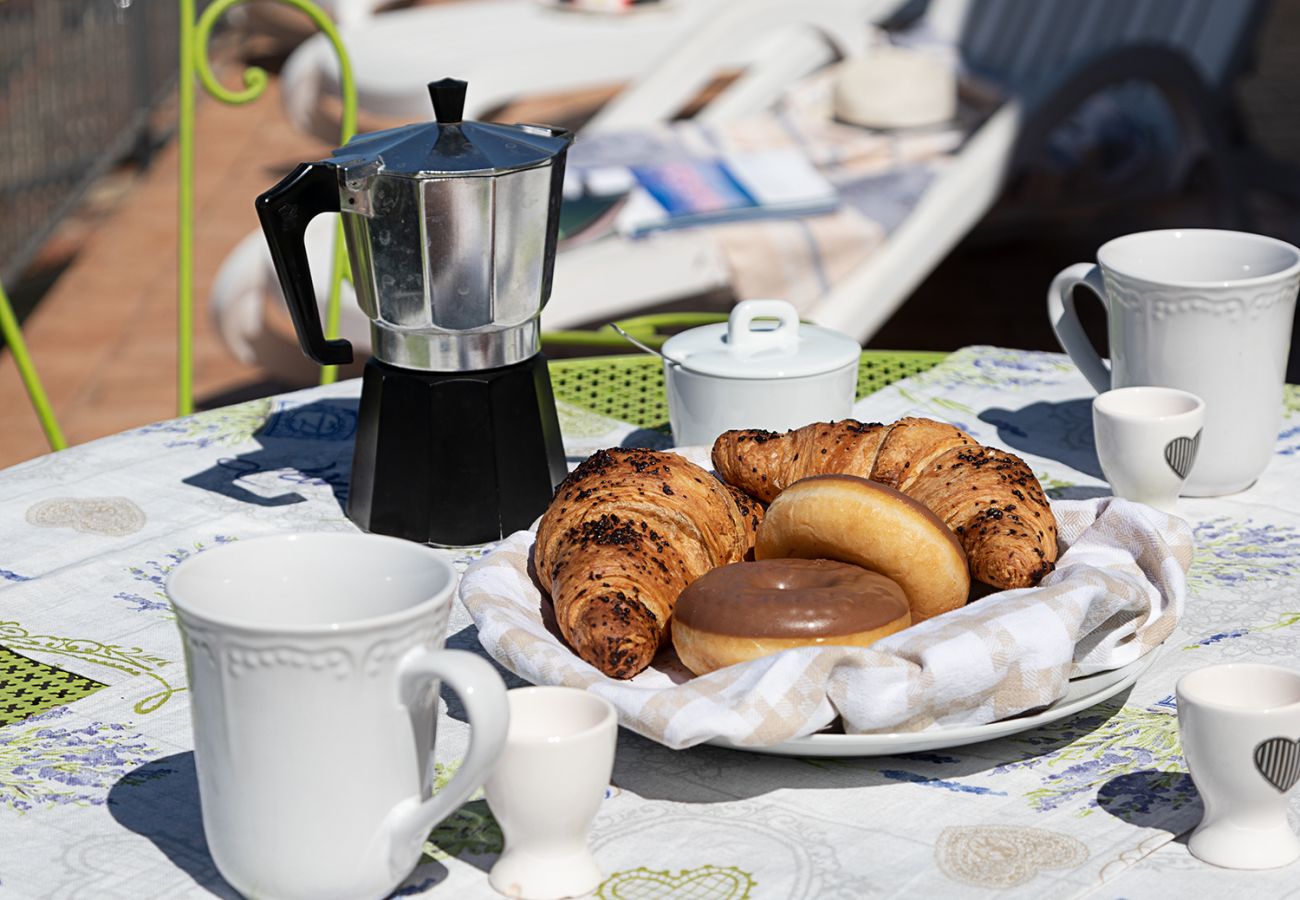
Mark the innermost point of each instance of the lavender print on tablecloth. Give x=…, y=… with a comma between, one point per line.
x=44, y=764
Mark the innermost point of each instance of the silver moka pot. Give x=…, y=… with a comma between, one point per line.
x=451, y=230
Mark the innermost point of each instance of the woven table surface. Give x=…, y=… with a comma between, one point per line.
x=631, y=388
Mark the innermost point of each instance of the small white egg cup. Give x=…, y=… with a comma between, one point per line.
x=546, y=789
x=1240, y=731
x=1147, y=439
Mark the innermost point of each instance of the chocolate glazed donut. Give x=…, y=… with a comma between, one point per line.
x=746, y=610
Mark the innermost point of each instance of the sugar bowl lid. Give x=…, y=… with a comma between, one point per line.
x=450, y=146
x=737, y=349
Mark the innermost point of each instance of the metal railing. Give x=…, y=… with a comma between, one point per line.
x=79, y=80
x=113, y=85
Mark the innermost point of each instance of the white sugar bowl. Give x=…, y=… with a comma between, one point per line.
x=747, y=374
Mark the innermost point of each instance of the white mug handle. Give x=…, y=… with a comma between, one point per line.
x=484, y=695
x=1065, y=321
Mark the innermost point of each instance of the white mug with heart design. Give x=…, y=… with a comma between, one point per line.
x=1240, y=729
x=1201, y=310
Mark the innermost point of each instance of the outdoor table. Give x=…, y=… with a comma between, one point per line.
x=98, y=796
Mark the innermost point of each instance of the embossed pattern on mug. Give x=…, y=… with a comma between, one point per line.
x=1247, y=303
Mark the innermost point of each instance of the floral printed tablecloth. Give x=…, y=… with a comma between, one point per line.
x=98, y=795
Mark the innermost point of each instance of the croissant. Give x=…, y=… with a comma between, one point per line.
x=988, y=497
x=625, y=533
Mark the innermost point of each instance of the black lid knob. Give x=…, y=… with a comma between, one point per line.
x=448, y=97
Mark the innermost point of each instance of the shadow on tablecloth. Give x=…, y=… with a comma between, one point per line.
x=1149, y=798
x=706, y=774
x=1061, y=431
x=160, y=801
x=313, y=440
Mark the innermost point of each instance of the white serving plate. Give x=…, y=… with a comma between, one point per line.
x=1081, y=694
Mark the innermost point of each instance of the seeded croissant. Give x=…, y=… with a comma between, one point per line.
x=626, y=532
x=989, y=498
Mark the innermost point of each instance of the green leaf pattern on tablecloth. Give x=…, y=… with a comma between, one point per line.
x=1286, y=620
x=983, y=367
x=227, y=426
x=701, y=883
x=1053, y=486
x=131, y=661
x=936, y=404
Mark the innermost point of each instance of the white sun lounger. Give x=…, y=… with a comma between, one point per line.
x=1048, y=57
x=511, y=48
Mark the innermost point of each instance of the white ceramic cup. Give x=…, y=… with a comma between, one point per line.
x=1147, y=440
x=1202, y=310
x=1240, y=731
x=547, y=788
x=743, y=375
x=314, y=662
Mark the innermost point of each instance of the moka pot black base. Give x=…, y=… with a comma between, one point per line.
x=454, y=458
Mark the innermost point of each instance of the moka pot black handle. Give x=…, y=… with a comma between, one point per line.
x=284, y=212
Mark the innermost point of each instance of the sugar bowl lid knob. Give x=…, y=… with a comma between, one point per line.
x=448, y=95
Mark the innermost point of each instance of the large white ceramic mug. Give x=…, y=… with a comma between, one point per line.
x=314, y=662
x=1203, y=311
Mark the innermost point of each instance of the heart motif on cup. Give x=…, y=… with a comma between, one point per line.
x=1278, y=760
x=1180, y=453
x=702, y=883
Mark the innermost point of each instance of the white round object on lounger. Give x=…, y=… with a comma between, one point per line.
x=893, y=87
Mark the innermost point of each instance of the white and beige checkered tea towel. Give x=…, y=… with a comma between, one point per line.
x=1117, y=592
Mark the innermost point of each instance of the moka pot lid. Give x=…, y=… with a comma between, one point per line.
x=451, y=147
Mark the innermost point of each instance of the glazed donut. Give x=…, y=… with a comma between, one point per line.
x=857, y=521
x=736, y=613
